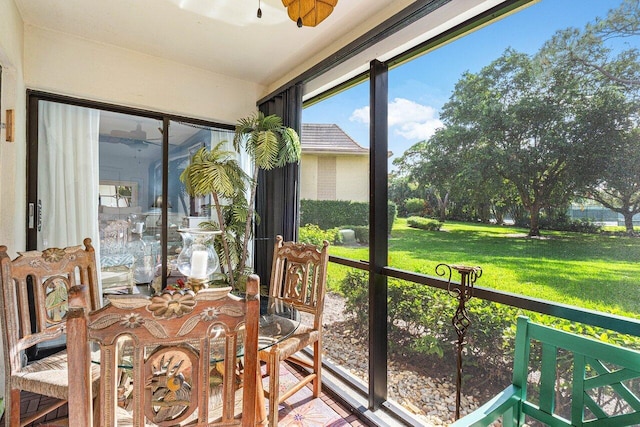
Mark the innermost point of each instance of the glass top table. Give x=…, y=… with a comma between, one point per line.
x=278, y=321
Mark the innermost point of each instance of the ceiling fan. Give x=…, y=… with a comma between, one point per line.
x=136, y=138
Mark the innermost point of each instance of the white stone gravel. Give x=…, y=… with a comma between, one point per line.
x=430, y=400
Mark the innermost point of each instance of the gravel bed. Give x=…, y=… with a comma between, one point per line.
x=431, y=400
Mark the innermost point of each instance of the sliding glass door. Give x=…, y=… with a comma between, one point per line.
x=114, y=176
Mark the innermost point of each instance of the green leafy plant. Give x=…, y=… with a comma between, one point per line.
x=424, y=223
x=311, y=233
x=216, y=172
x=270, y=145
x=415, y=206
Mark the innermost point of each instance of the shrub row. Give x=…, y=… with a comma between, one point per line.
x=311, y=233
x=420, y=322
x=424, y=223
x=419, y=319
x=328, y=214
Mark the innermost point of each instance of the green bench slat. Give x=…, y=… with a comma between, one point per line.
x=589, y=373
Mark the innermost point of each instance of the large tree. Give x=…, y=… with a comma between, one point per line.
x=536, y=124
x=447, y=169
x=605, y=52
x=619, y=187
x=416, y=166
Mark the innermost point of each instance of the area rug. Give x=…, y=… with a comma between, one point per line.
x=302, y=409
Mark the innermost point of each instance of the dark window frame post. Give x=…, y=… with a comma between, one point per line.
x=378, y=242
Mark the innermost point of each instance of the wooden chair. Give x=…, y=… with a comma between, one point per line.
x=47, y=276
x=168, y=345
x=598, y=388
x=298, y=276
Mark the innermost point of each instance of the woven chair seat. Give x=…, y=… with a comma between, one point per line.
x=303, y=337
x=49, y=376
x=35, y=290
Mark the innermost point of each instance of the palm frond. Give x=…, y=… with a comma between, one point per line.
x=265, y=150
x=290, y=149
x=213, y=171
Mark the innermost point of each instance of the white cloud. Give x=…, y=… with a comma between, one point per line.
x=360, y=115
x=406, y=118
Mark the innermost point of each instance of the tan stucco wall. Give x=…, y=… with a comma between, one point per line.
x=308, y=176
x=12, y=154
x=59, y=63
x=352, y=177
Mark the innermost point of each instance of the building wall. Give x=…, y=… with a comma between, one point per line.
x=38, y=59
x=327, y=178
x=349, y=173
x=33, y=58
x=59, y=63
x=352, y=176
x=308, y=176
x=12, y=154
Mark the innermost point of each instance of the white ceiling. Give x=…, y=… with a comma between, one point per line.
x=226, y=37
x=223, y=36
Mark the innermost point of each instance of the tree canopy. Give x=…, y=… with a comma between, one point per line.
x=543, y=127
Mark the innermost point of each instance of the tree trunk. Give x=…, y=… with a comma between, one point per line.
x=225, y=245
x=250, y=211
x=442, y=206
x=498, y=215
x=534, y=228
x=628, y=222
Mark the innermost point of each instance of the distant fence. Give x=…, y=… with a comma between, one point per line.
x=599, y=214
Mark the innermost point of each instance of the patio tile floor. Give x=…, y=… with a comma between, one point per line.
x=323, y=411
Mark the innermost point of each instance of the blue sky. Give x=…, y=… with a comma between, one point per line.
x=418, y=89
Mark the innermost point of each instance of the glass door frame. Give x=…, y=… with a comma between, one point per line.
x=33, y=211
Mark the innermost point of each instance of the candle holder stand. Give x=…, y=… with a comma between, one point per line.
x=463, y=292
x=197, y=284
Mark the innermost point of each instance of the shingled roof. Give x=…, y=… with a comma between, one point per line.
x=328, y=138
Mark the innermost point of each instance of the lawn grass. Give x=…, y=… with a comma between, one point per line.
x=595, y=271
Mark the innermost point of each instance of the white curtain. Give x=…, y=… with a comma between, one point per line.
x=68, y=175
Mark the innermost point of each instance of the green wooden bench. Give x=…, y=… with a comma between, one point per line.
x=604, y=379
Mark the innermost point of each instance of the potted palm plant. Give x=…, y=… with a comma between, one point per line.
x=270, y=145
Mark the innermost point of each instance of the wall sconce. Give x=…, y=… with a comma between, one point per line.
x=10, y=123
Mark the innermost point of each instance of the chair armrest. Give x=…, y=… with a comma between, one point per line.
x=492, y=410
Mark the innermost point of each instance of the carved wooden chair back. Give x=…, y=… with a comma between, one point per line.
x=177, y=353
x=44, y=278
x=299, y=277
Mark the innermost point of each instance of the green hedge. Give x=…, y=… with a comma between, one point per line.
x=424, y=223
x=415, y=206
x=328, y=214
x=311, y=233
x=420, y=321
x=420, y=324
